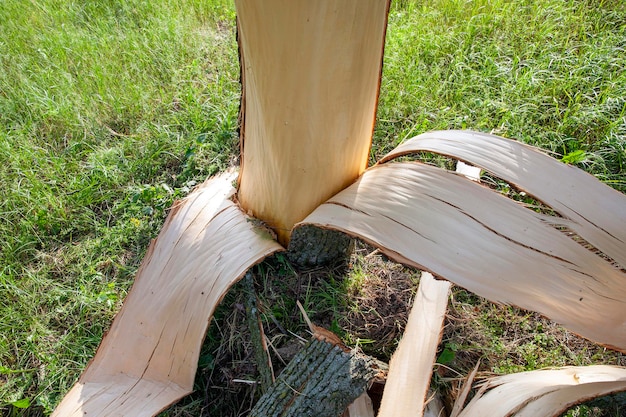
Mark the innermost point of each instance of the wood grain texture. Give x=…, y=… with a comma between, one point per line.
x=149, y=357
x=544, y=393
x=412, y=362
x=313, y=246
x=592, y=209
x=320, y=381
x=311, y=75
x=457, y=229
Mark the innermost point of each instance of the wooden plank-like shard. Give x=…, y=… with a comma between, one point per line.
x=546, y=392
x=310, y=79
x=597, y=212
x=149, y=357
x=439, y=221
x=412, y=363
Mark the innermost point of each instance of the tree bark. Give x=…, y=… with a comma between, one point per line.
x=257, y=335
x=321, y=381
x=312, y=246
x=311, y=76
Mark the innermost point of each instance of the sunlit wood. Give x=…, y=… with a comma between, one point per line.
x=544, y=393
x=594, y=210
x=454, y=227
x=412, y=363
x=149, y=357
x=311, y=75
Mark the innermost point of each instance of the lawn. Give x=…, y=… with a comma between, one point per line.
x=111, y=110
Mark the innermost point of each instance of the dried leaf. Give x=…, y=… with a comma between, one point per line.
x=467, y=386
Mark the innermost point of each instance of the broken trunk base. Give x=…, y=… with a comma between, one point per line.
x=313, y=246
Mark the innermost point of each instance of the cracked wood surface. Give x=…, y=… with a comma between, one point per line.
x=594, y=210
x=442, y=222
x=321, y=380
x=149, y=357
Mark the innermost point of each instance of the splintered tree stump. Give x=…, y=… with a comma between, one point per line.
x=314, y=246
x=322, y=380
x=310, y=73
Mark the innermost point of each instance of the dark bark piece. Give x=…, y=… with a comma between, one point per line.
x=257, y=335
x=313, y=246
x=321, y=381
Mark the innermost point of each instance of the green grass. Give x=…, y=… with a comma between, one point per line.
x=550, y=73
x=109, y=110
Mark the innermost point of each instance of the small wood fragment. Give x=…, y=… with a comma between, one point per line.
x=257, y=335
x=361, y=407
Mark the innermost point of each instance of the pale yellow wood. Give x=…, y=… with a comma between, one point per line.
x=311, y=74
x=412, y=363
x=596, y=211
x=149, y=357
x=361, y=407
x=544, y=393
x=454, y=227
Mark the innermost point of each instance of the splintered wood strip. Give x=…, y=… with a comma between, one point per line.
x=597, y=211
x=321, y=380
x=544, y=392
x=559, y=401
x=412, y=363
x=441, y=222
x=311, y=78
x=148, y=358
x=467, y=387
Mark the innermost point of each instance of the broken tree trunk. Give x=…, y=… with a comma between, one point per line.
x=311, y=74
x=312, y=246
x=322, y=380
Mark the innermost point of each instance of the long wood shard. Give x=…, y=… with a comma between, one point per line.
x=149, y=357
x=597, y=212
x=439, y=221
x=544, y=392
x=412, y=363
